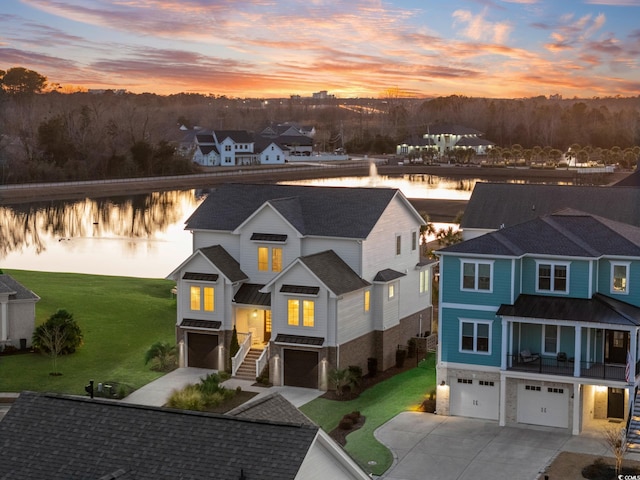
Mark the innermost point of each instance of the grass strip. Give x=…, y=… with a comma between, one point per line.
x=378, y=404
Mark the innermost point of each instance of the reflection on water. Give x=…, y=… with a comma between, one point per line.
x=412, y=186
x=141, y=235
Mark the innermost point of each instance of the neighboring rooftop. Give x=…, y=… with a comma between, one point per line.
x=497, y=205
x=66, y=438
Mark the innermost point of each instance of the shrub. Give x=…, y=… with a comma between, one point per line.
x=189, y=398
x=65, y=326
x=163, y=357
x=346, y=423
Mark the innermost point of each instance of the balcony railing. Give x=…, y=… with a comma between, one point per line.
x=552, y=366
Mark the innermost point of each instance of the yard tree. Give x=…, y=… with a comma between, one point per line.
x=19, y=80
x=68, y=331
x=51, y=339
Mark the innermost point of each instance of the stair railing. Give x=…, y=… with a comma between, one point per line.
x=261, y=361
x=239, y=357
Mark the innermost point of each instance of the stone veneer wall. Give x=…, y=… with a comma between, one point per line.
x=224, y=338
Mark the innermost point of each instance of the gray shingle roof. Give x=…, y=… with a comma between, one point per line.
x=334, y=272
x=599, y=309
x=238, y=136
x=68, y=438
x=15, y=289
x=249, y=294
x=324, y=211
x=445, y=128
x=568, y=233
x=387, y=275
x=272, y=407
x=228, y=265
x=495, y=204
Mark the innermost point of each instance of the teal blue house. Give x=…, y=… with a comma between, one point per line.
x=539, y=323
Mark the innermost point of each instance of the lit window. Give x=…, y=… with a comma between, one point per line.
x=424, y=281
x=208, y=299
x=308, y=311
x=620, y=275
x=195, y=298
x=293, y=314
x=263, y=259
x=475, y=336
x=276, y=259
x=552, y=277
x=367, y=300
x=476, y=276
x=392, y=291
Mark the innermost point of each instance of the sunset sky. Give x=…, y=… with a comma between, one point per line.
x=352, y=48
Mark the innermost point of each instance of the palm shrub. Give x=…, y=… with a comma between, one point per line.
x=163, y=357
x=60, y=325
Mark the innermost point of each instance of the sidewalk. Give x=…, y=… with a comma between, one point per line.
x=157, y=392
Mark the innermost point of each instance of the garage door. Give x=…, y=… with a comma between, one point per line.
x=202, y=352
x=301, y=368
x=542, y=405
x=470, y=397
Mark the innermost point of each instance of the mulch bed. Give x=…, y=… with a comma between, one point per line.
x=339, y=435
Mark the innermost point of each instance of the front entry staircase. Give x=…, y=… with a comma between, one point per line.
x=247, y=369
x=633, y=431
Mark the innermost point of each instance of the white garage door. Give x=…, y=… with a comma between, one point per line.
x=540, y=405
x=470, y=397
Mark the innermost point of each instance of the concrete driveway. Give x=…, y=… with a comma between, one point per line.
x=456, y=448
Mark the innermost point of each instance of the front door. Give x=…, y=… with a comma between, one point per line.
x=615, y=403
x=617, y=346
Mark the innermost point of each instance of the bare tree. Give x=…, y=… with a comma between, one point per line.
x=616, y=439
x=53, y=338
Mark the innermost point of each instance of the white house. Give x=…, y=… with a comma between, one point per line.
x=17, y=313
x=313, y=278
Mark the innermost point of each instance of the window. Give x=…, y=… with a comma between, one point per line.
x=475, y=336
x=266, y=158
x=552, y=277
x=424, y=282
x=414, y=241
x=477, y=276
x=227, y=148
x=398, y=244
x=308, y=312
x=263, y=259
x=293, y=314
x=619, y=277
x=367, y=300
x=551, y=338
x=201, y=298
x=392, y=291
x=276, y=259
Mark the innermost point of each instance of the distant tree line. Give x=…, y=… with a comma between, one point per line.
x=46, y=135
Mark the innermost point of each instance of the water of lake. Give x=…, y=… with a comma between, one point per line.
x=143, y=235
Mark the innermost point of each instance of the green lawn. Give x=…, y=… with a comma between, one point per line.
x=378, y=404
x=120, y=318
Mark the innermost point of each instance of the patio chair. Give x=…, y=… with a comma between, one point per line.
x=527, y=357
x=561, y=358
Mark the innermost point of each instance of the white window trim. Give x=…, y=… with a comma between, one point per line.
x=202, y=286
x=395, y=246
x=476, y=263
x=628, y=267
x=415, y=237
x=475, y=335
x=553, y=280
x=544, y=343
x=427, y=285
x=392, y=287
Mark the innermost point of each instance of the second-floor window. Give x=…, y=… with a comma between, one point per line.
x=367, y=300
x=552, y=277
x=475, y=336
x=620, y=277
x=269, y=259
x=414, y=240
x=301, y=312
x=398, y=244
x=227, y=148
x=201, y=298
x=476, y=275
x=424, y=282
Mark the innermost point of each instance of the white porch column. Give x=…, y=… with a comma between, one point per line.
x=4, y=321
x=503, y=356
x=502, y=419
x=633, y=348
x=577, y=354
x=577, y=394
